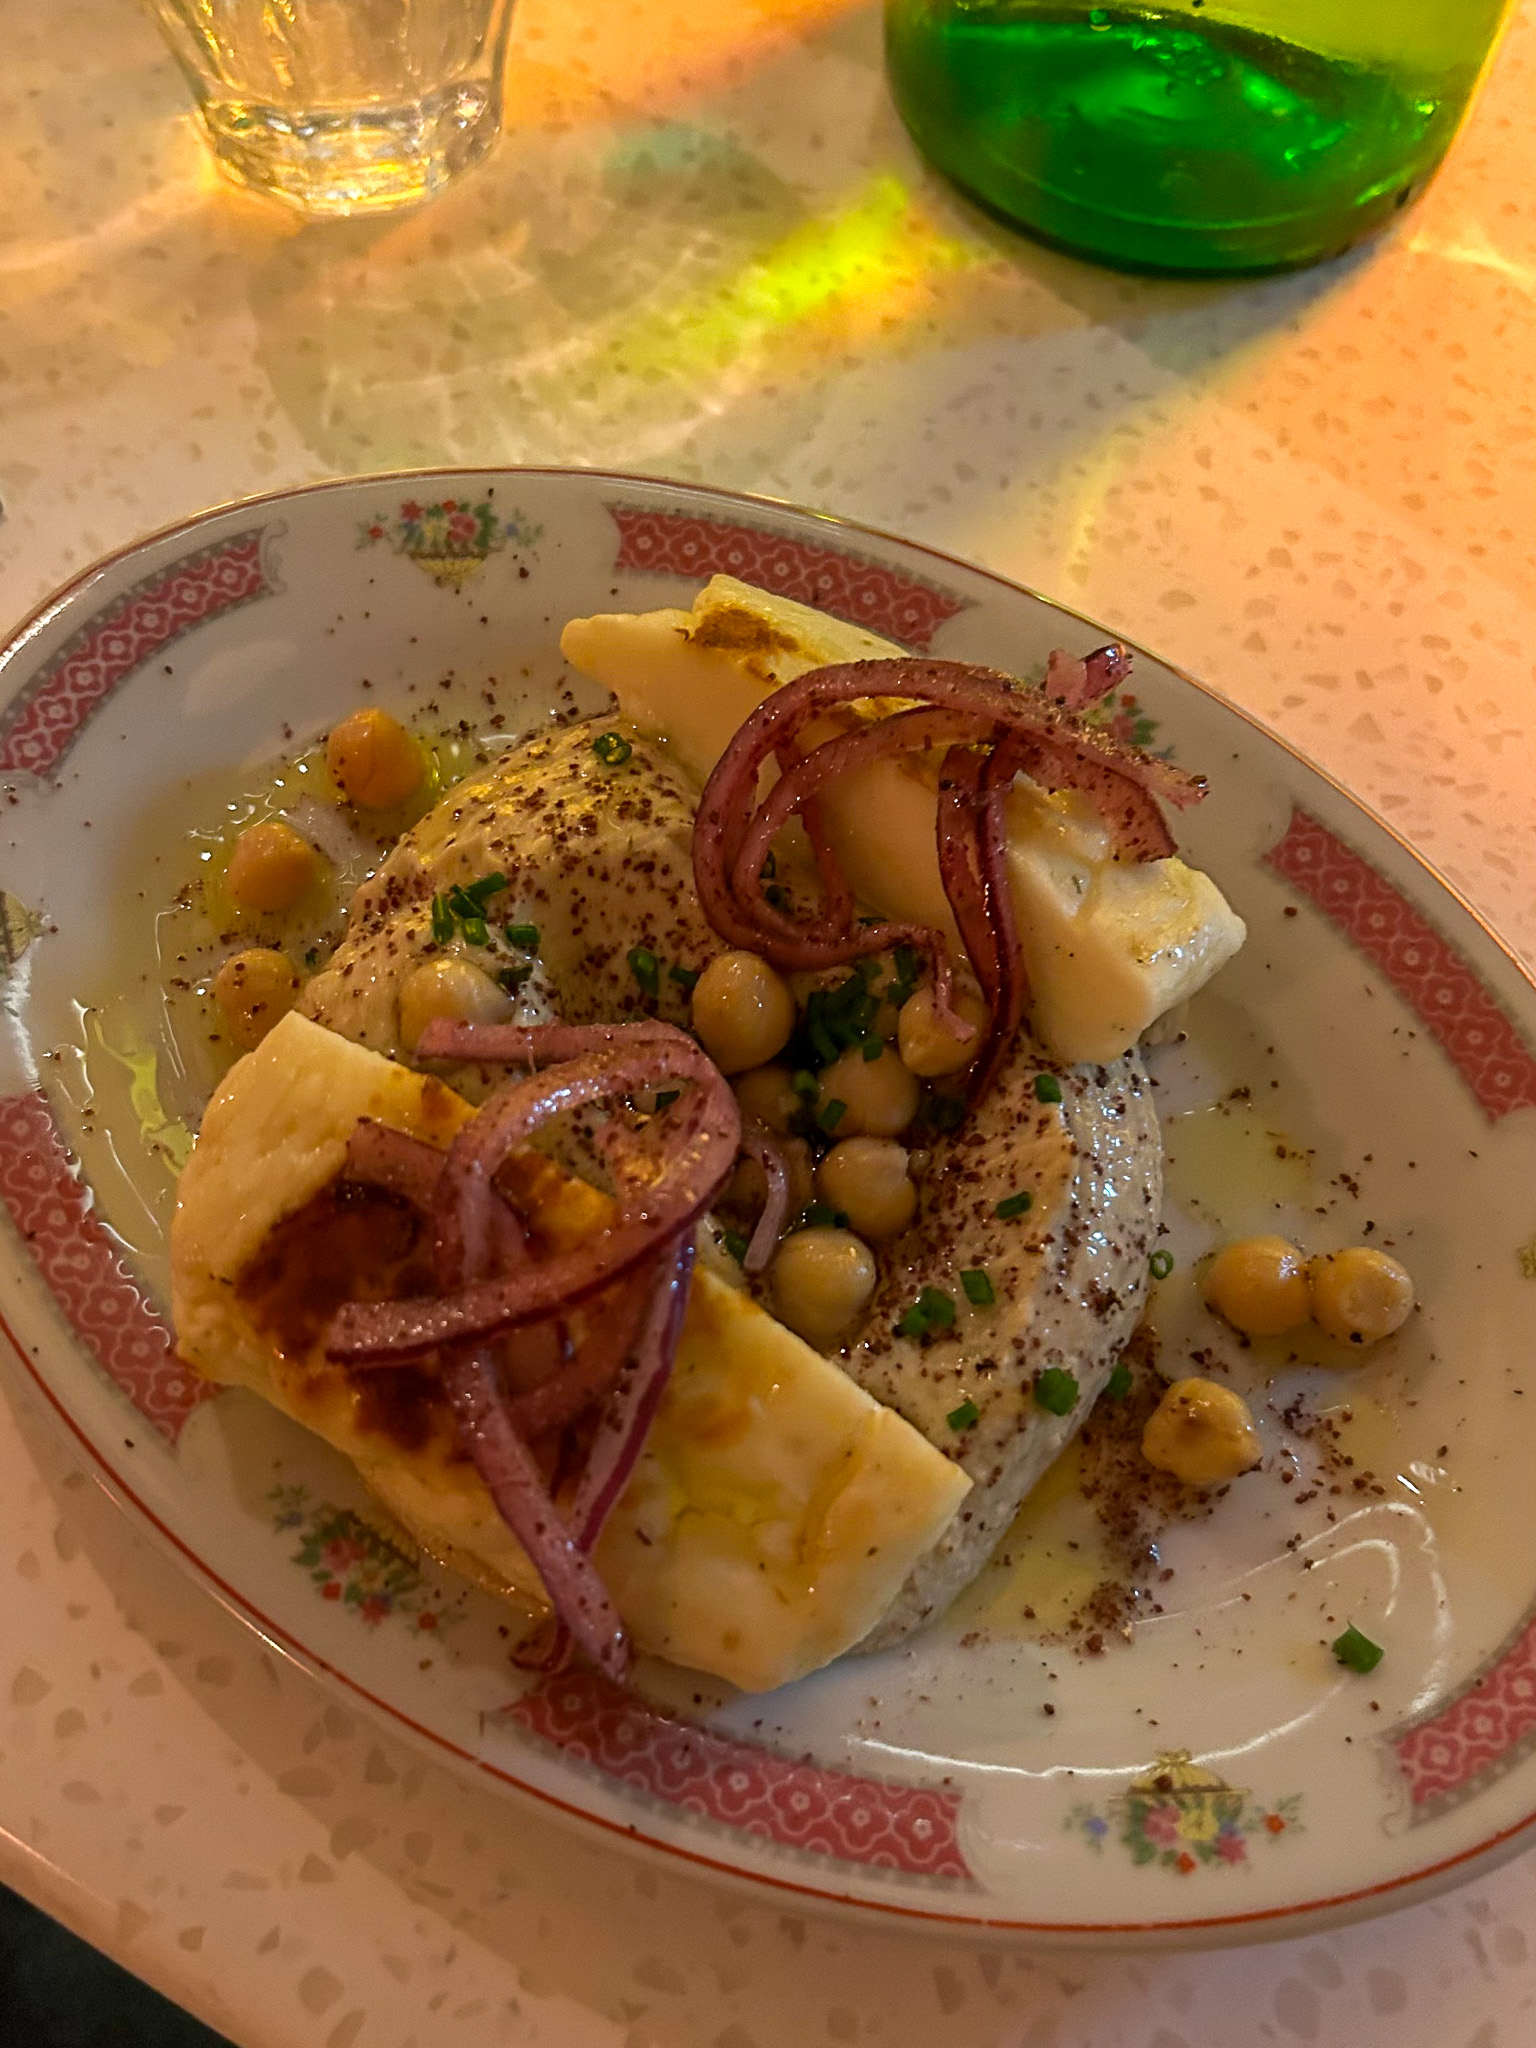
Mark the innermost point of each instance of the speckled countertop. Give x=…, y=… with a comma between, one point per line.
x=706, y=250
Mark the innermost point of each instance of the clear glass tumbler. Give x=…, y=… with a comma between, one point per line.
x=343, y=106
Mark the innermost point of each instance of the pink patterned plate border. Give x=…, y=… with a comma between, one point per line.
x=1433, y=977
x=912, y=1829
x=54, y=1216
x=44, y=719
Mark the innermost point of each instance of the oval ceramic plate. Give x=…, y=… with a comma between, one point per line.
x=1363, y=1071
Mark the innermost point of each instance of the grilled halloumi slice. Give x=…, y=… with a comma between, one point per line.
x=1110, y=945
x=776, y=1510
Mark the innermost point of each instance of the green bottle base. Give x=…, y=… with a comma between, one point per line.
x=1154, y=141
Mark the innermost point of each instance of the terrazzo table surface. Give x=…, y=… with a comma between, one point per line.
x=706, y=250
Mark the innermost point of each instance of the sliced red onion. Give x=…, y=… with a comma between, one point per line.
x=1075, y=684
x=632, y=1409
x=995, y=701
x=651, y=1214
x=973, y=863
x=959, y=706
x=759, y=1143
x=383, y=1157
x=589, y=1375
x=380, y=1156
x=960, y=863
x=516, y=1486
x=1010, y=995
x=837, y=907
x=1106, y=668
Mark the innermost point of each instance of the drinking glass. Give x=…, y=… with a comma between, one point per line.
x=343, y=106
x=1191, y=135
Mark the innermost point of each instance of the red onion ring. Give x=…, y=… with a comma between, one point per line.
x=630, y=1332
x=500, y=1456
x=650, y=1215
x=514, y=1483
x=383, y=1157
x=1075, y=683
x=589, y=1376
x=959, y=707
x=380, y=1156
x=637, y=1397
x=759, y=1143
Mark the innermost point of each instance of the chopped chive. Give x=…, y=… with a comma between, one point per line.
x=1356, y=1651
x=685, y=977
x=476, y=931
x=775, y=895
x=964, y=1416
x=666, y=1099
x=945, y=1112
x=873, y=1046
x=1161, y=1264
x=932, y=1310
x=805, y=1084
x=312, y=957
x=1056, y=1391
x=978, y=1287
x=769, y=868
x=831, y=1114
x=461, y=903
x=644, y=967
x=612, y=749
x=1047, y=1088
x=512, y=978
x=823, y=1044
x=1118, y=1385
x=906, y=964
x=820, y=1216
x=1014, y=1205
x=524, y=935
x=735, y=1244
x=937, y=1307
x=442, y=921
x=488, y=886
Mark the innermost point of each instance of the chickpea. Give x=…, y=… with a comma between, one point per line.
x=742, y=1011
x=867, y=1179
x=449, y=988
x=254, y=990
x=1359, y=1295
x=1260, y=1285
x=927, y=1046
x=373, y=761
x=821, y=1279
x=1202, y=1433
x=879, y=1096
x=768, y=1094
x=271, y=867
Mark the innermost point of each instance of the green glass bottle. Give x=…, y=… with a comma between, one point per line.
x=1195, y=135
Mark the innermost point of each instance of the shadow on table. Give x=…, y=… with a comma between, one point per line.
x=56, y=1992
x=759, y=285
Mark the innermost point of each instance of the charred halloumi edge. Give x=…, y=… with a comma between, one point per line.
x=776, y=1508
